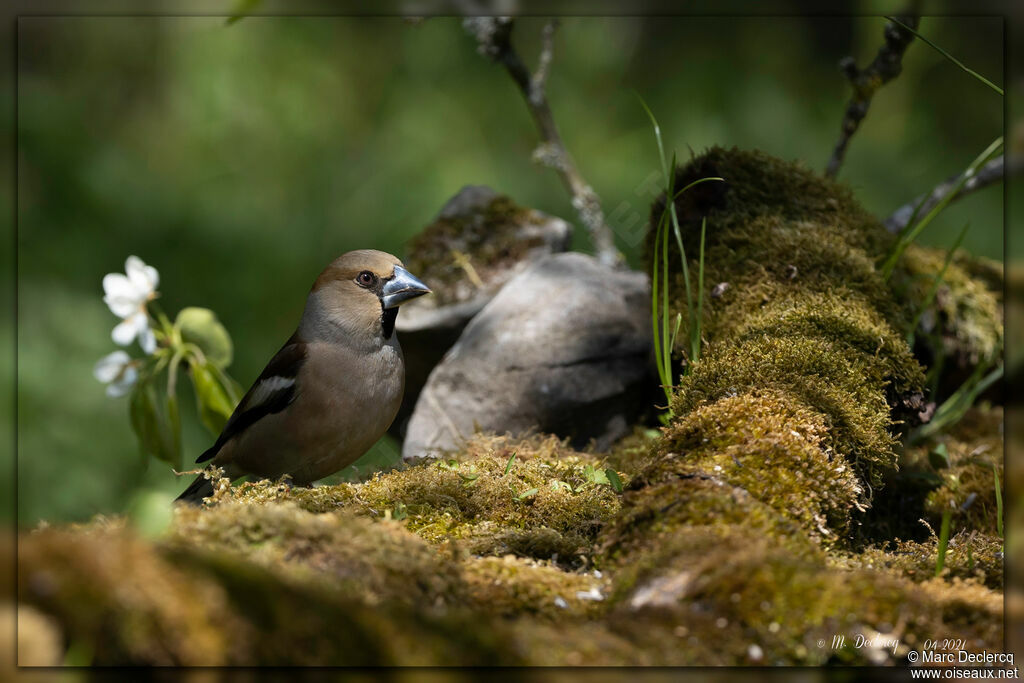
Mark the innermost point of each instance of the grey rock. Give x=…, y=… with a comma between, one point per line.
x=564, y=348
x=426, y=329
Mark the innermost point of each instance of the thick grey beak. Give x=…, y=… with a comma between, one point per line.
x=401, y=287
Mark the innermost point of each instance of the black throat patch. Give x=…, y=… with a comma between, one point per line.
x=387, y=321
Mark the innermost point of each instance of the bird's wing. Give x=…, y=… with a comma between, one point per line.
x=271, y=393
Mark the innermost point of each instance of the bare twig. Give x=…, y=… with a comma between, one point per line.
x=493, y=35
x=989, y=173
x=886, y=66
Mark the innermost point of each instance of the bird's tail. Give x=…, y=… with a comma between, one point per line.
x=199, y=489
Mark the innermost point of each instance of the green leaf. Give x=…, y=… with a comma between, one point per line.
x=214, y=405
x=151, y=424
x=140, y=411
x=400, y=512
x=528, y=493
x=508, y=465
x=595, y=476
x=200, y=326
x=939, y=457
x=614, y=480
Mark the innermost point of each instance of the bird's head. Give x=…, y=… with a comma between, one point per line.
x=358, y=296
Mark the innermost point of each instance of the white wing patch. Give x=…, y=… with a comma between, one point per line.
x=266, y=389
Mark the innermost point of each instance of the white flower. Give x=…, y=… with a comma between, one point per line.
x=127, y=296
x=117, y=371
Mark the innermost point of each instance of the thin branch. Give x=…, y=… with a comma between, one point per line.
x=494, y=41
x=989, y=173
x=886, y=66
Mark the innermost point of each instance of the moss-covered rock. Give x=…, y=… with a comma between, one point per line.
x=771, y=446
x=806, y=315
x=478, y=241
x=782, y=433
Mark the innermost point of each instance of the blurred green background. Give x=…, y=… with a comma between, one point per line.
x=239, y=160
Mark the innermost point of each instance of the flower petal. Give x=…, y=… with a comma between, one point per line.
x=110, y=366
x=147, y=340
x=124, y=332
x=117, y=285
x=121, y=306
x=144, y=278
x=124, y=383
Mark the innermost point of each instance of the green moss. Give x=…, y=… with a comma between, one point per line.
x=514, y=587
x=120, y=600
x=492, y=240
x=965, y=321
x=773, y=227
x=824, y=375
x=968, y=490
x=725, y=588
x=360, y=558
x=659, y=521
x=843, y=317
x=970, y=556
x=806, y=314
x=952, y=471
x=629, y=452
x=547, y=505
x=771, y=445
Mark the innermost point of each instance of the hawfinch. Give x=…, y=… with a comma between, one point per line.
x=333, y=388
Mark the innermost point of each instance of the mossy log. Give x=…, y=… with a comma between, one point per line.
x=787, y=427
x=770, y=514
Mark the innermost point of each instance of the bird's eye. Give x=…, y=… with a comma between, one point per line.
x=366, y=278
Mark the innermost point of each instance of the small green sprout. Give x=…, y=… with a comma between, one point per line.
x=508, y=465
x=527, y=494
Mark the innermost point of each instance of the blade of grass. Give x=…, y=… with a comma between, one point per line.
x=663, y=341
x=930, y=297
x=911, y=231
x=947, y=55
x=675, y=330
x=657, y=135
